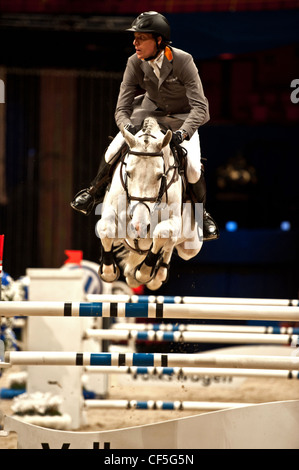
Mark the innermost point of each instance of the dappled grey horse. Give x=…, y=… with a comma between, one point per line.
x=143, y=216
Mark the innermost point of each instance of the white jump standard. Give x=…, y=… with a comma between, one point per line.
x=149, y=310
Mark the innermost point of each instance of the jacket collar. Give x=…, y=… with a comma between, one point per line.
x=168, y=53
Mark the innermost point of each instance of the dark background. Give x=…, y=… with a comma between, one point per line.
x=62, y=64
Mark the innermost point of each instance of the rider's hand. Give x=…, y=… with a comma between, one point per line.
x=179, y=136
x=129, y=127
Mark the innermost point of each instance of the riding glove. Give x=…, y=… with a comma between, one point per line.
x=179, y=136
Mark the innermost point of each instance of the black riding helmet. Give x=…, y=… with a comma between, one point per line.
x=151, y=22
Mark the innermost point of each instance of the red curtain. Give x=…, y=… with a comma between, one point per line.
x=57, y=126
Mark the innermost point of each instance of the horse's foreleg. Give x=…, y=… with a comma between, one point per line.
x=164, y=238
x=146, y=270
x=162, y=272
x=108, y=270
x=106, y=229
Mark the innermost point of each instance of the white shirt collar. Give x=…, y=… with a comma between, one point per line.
x=158, y=61
x=156, y=64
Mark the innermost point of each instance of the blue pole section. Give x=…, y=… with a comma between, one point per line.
x=95, y=309
x=167, y=299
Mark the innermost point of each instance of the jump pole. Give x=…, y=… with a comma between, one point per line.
x=181, y=372
x=190, y=300
x=191, y=337
x=161, y=405
x=149, y=310
x=263, y=329
x=151, y=360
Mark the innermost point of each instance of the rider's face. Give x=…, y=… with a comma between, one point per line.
x=145, y=45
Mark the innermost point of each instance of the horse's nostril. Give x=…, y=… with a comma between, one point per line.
x=138, y=229
x=132, y=227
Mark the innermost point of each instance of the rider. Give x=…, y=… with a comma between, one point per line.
x=173, y=95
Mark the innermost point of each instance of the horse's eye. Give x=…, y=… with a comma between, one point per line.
x=159, y=176
x=128, y=174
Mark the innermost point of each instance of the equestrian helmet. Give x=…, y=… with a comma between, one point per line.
x=151, y=22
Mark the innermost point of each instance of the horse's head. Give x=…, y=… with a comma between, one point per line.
x=145, y=173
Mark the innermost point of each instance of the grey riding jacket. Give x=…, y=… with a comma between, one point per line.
x=177, y=97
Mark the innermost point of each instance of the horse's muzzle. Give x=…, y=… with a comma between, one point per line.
x=140, y=220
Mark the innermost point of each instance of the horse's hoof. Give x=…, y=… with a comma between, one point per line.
x=154, y=284
x=141, y=277
x=163, y=273
x=132, y=282
x=109, y=273
x=145, y=272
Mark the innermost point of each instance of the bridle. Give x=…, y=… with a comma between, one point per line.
x=163, y=185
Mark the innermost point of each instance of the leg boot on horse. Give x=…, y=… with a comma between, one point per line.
x=198, y=190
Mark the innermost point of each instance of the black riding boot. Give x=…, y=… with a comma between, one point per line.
x=86, y=199
x=210, y=229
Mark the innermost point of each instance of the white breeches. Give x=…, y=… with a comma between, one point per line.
x=193, y=157
x=114, y=147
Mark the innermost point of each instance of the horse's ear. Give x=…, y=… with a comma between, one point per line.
x=166, y=139
x=129, y=138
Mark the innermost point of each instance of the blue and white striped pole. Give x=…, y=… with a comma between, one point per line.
x=216, y=328
x=151, y=360
x=161, y=405
x=176, y=299
x=149, y=310
x=192, y=337
x=180, y=373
